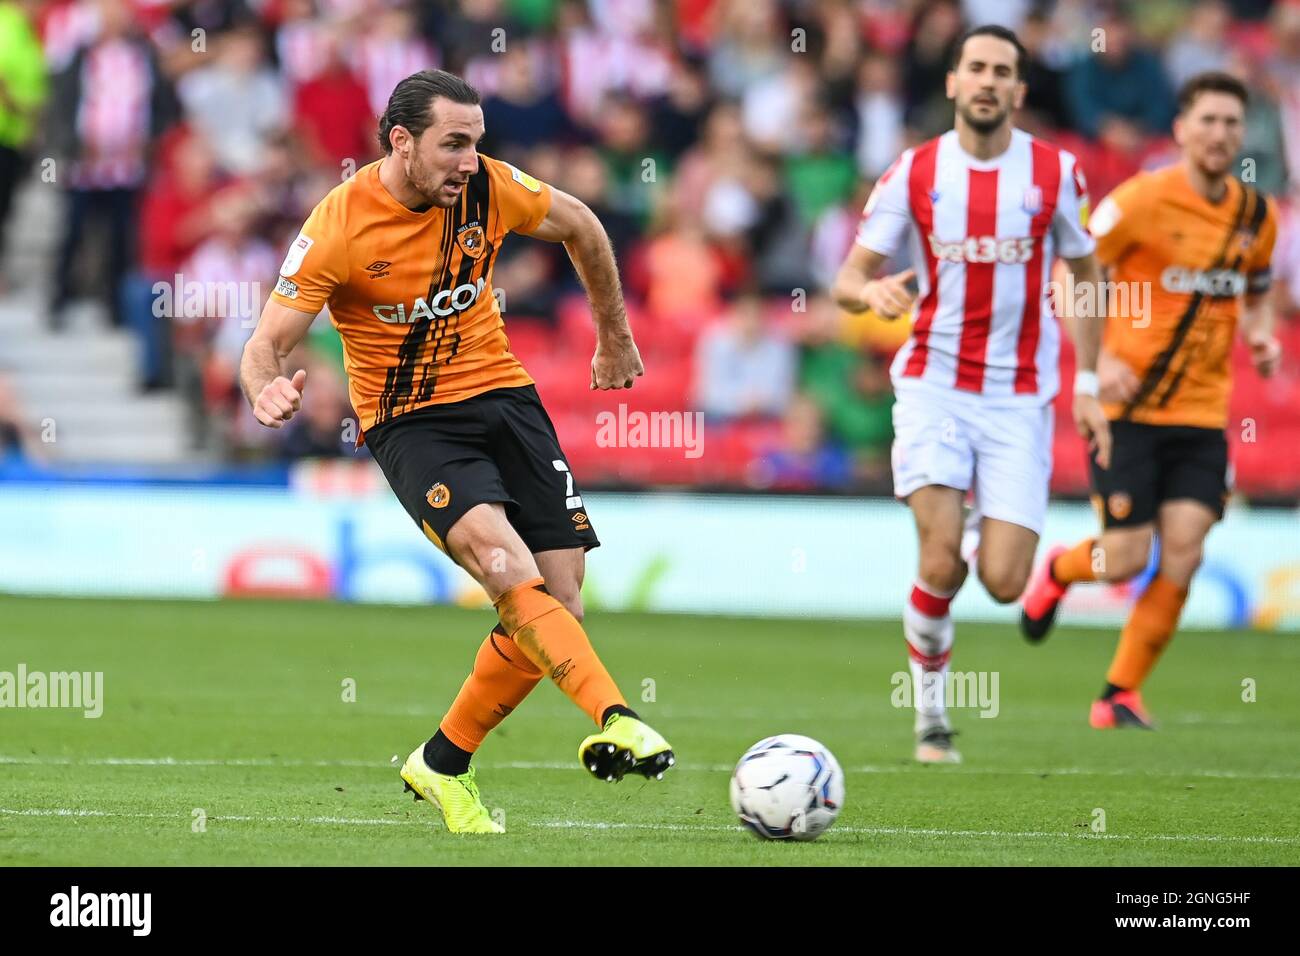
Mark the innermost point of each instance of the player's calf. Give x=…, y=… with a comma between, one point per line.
x=1119, y=554
x=1180, y=560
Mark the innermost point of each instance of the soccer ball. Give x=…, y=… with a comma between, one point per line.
x=787, y=787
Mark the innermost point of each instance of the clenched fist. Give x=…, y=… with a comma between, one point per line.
x=891, y=296
x=279, y=399
x=1116, y=380
x=616, y=364
x=1265, y=353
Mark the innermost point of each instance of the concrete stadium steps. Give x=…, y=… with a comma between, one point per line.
x=38, y=384
x=88, y=446
x=87, y=390
x=83, y=379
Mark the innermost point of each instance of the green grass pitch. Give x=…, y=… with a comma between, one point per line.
x=236, y=710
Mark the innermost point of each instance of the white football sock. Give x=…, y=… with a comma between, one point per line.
x=929, y=641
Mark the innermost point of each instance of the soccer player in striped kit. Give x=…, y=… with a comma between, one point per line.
x=985, y=209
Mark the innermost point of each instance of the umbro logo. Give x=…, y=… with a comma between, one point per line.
x=378, y=269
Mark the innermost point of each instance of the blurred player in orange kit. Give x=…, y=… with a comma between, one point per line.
x=1202, y=241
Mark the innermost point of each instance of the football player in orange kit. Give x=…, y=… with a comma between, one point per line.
x=402, y=253
x=1202, y=241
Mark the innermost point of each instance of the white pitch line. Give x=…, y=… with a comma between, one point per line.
x=928, y=831
x=185, y=762
x=236, y=818
x=671, y=827
x=959, y=771
x=694, y=767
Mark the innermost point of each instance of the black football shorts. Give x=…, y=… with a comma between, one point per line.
x=499, y=446
x=1152, y=464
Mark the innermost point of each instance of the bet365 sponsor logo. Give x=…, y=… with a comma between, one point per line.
x=130, y=910
x=983, y=249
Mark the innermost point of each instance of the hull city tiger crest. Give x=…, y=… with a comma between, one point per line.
x=439, y=496
x=471, y=240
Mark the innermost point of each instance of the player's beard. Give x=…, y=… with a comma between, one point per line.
x=984, y=124
x=1212, y=168
x=423, y=183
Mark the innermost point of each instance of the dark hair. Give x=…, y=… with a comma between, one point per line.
x=1212, y=81
x=411, y=104
x=1002, y=33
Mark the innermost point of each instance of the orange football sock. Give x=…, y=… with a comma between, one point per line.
x=1075, y=565
x=1150, y=625
x=502, y=677
x=551, y=637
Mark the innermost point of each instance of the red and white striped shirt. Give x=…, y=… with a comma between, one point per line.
x=382, y=62
x=113, y=117
x=596, y=63
x=303, y=48
x=983, y=236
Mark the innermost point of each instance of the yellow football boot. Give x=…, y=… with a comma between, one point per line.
x=625, y=744
x=457, y=797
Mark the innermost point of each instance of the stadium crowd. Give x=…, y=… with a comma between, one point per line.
x=727, y=145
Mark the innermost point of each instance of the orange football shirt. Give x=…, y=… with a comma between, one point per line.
x=411, y=292
x=1190, y=261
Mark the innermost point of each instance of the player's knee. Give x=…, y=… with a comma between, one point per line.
x=568, y=593
x=572, y=602
x=943, y=570
x=1007, y=593
x=1004, y=585
x=1179, y=560
x=575, y=608
x=496, y=561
